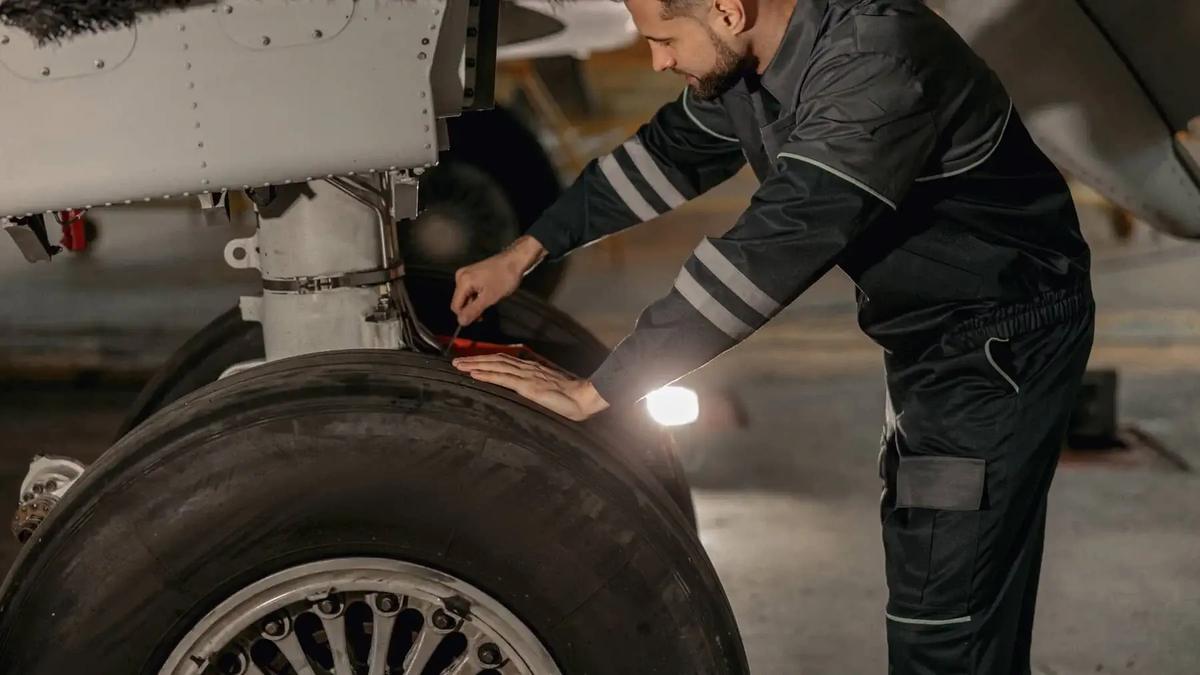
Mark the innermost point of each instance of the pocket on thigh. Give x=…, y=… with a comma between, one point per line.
x=931, y=537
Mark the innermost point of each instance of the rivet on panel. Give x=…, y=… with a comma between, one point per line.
x=204, y=181
x=318, y=34
x=99, y=63
x=424, y=41
x=187, y=66
x=191, y=85
x=45, y=71
x=266, y=40
x=4, y=40
x=421, y=56
x=182, y=28
x=200, y=144
x=203, y=165
x=229, y=9
x=146, y=199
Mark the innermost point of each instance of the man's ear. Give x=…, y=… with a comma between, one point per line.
x=732, y=15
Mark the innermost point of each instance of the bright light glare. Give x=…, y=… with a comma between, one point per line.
x=673, y=406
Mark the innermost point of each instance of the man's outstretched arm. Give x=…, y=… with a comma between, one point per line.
x=683, y=151
x=867, y=135
x=686, y=149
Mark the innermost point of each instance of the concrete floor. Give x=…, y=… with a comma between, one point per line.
x=788, y=505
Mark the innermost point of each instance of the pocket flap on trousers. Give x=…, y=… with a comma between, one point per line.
x=943, y=483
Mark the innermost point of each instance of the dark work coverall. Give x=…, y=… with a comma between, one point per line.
x=885, y=146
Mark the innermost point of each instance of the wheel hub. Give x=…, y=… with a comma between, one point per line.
x=360, y=615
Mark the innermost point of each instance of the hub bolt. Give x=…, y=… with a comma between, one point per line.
x=442, y=620
x=386, y=602
x=489, y=654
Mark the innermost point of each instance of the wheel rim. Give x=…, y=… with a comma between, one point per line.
x=350, y=616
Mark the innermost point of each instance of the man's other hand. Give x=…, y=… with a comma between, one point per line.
x=483, y=284
x=573, y=398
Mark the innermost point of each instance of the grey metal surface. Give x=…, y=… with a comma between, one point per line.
x=496, y=639
x=1083, y=105
x=1160, y=41
x=197, y=106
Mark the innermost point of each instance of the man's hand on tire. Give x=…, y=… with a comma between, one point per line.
x=573, y=398
x=483, y=284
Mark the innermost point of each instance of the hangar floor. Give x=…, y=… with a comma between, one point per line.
x=788, y=503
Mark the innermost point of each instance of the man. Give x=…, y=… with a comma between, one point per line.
x=886, y=147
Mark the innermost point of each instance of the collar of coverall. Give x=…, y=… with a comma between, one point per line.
x=782, y=76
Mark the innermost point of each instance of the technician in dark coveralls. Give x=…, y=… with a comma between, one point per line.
x=885, y=146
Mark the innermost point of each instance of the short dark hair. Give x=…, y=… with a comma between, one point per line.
x=675, y=8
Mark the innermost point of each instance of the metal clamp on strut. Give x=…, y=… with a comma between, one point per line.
x=302, y=285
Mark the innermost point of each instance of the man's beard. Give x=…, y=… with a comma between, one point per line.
x=729, y=69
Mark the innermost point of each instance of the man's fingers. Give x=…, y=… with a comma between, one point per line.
x=487, y=360
x=514, y=382
x=463, y=291
x=496, y=366
x=473, y=309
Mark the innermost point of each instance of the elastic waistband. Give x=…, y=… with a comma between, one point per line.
x=1048, y=309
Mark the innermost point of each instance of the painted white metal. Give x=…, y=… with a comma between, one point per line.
x=266, y=24
x=74, y=57
x=191, y=109
x=324, y=235
x=588, y=26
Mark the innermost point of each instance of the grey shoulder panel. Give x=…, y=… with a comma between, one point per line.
x=866, y=119
x=970, y=107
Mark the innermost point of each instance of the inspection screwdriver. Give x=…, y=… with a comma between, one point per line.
x=453, y=338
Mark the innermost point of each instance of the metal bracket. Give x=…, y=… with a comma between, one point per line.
x=251, y=307
x=29, y=233
x=215, y=207
x=404, y=202
x=242, y=254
